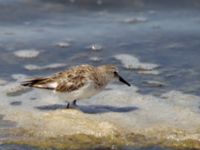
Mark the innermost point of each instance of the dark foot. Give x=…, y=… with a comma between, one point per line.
x=74, y=103
x=67, y=107
x=71, y=105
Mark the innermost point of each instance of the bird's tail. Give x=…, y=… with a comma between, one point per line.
x=43, y=83
x=33, y=82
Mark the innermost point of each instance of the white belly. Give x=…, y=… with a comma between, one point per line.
x=84, y=92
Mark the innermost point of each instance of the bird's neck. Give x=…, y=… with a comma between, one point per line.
x=103, y=77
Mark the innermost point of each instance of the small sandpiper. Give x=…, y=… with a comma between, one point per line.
x=77, y=83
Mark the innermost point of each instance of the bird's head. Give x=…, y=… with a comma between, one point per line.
x=111, y=73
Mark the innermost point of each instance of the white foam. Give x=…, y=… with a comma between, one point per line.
x=63, y=44
x=19, y=77
x=95, y=59
x=3, y=82
x=29, y=53
x=14, y=88
x=133, y=20
x=153, y=72
x=50, y=66
x=120, y=109
x=95, y=47
x=153, y=83
x=132, y=62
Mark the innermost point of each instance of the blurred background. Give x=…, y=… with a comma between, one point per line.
x=155, y=43
x=71, y=32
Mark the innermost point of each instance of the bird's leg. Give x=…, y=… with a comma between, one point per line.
x=74, y=102
x=68, y=104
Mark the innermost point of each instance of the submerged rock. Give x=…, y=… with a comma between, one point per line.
x=16, y=103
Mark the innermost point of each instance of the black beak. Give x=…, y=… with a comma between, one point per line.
x=122, y=80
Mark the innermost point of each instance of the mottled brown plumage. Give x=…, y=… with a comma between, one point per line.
x=67, y=81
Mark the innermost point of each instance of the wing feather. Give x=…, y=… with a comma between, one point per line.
x=65, y=81
x=71, y=84
x=45, y=83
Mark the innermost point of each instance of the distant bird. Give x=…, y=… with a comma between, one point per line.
x=77, y=83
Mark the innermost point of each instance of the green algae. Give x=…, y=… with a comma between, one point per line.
x=90, y=142
x=183, y=144
x=73, y=142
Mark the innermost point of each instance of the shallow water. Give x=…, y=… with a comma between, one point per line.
x=162, y=33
